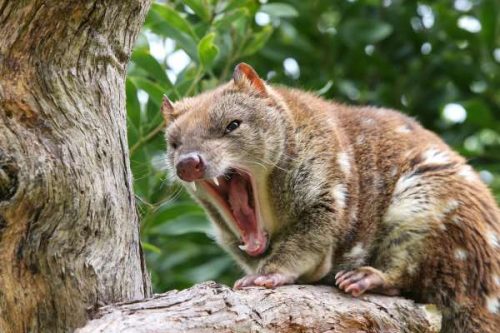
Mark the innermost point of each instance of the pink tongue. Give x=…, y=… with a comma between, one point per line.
x=244, y=214
x=238, y=197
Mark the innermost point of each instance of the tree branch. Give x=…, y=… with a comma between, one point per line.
x=211, y=307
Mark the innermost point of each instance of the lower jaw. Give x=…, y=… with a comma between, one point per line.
x=257, y=251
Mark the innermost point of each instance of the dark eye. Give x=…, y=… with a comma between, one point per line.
x=174, y=144
x=232, y=126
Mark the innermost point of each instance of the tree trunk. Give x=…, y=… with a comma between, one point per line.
x=69, y=234
x=210, y=307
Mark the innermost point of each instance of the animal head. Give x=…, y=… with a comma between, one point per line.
x=223, y=144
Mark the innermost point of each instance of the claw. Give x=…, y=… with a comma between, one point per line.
x=339, y=274
x=193, y=186
x=360, y=280
x=268, y=280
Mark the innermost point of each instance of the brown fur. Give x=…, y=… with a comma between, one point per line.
x=348, y=187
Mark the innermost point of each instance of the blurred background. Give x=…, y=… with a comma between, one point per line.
x=437, y=61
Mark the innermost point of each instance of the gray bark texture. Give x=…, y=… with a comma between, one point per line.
x=211, y=307
x=69, y=233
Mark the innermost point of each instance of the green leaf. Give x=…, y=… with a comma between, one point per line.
x=183, y=41
x=154, y=91
x=357, y=32
x=141, y=43
x=178, y=258
x=150, y=247
x=159, y=26
x=173, y=211
x=489, y=21
x=153, y=117
x=174, y=19
x=207, y=50
x=478, y=113
x=279, y=9
x=224, y=21
x=228, y=5
x=133, y=105
x=146, y=61
x=209, y=270
x=185, y=224
x=201, y=7
x=325, y=88
x=257, y=41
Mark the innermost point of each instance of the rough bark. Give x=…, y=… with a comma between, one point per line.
x=211, y=307
x=69, y=236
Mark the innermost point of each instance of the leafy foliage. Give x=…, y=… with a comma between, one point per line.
x=437, y=61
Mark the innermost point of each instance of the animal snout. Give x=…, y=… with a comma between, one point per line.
x=190, y=167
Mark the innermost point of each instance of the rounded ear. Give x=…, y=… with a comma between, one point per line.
x=245, y=77
x=167, y=109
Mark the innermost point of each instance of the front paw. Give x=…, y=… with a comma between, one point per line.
x=264, y=280
x=360, y=280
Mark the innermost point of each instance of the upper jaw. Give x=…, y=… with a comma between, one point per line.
x=192, y=184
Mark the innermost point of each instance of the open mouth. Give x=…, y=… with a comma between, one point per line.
x=235, y=193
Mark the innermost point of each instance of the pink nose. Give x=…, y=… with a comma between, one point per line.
x=190, y=167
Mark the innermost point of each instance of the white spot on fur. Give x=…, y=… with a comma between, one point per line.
x=407, y=209
x=394, y=171
x=339, y=193
x=404, y=183
x=496, y=279
x=369, y=121
x=403, y=129
x=467, y=173
x=356, y=252
x=354, y=214
x=378, y=182
x=449, y=207
x=492, y=304
x=411, y=268
x=460, y=254
x=344, y=164
x=456, y=219
x=408, y=203
x=331, y=122
x=360, y=140
x=452, y=205
x=435, y=156
x=356, y=255
x=492, y=239
x=408, y=154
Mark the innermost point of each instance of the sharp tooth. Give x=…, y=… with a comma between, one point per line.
x=193, y=186
x=216, y=181
x=242, y=247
